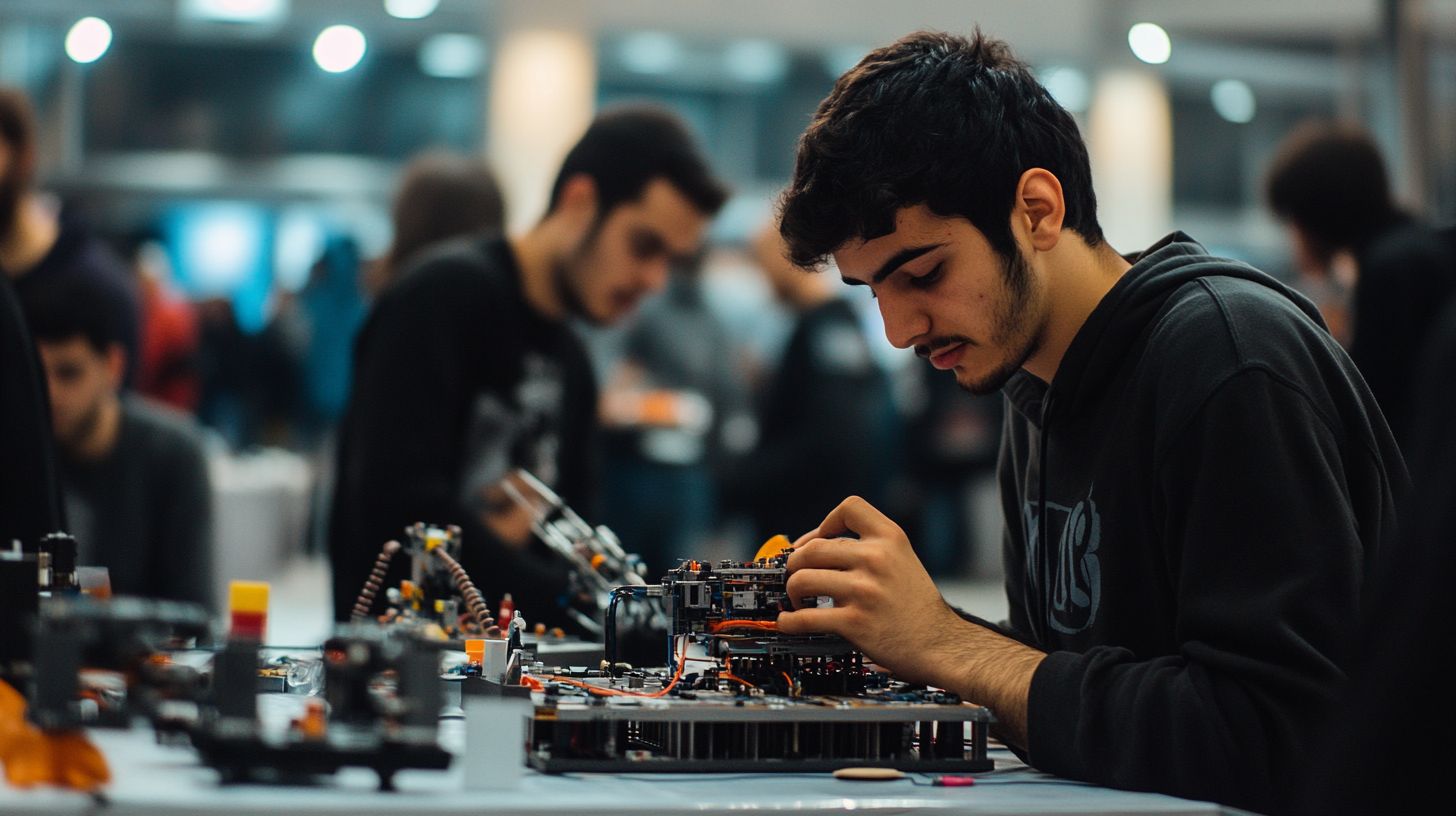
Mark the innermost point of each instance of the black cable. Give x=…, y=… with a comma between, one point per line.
x=609, y=644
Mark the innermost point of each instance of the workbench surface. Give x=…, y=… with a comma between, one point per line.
x=154, y=780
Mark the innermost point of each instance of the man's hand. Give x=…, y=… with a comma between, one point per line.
x=887, y=605
x=510, y=522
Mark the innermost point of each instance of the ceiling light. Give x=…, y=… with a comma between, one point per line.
x=410, y=9
x=758, y=61
x=1069, y=87
x=1150, y=43
x=452, y=56
x=88, y=39
x=235, y=11
x=650, y=52
x=1234, y=100
x=338, y=48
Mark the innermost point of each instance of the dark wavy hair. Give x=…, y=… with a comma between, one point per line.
x=627, y=148
x=937, y=119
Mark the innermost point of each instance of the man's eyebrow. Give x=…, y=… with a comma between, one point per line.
x=896, y=261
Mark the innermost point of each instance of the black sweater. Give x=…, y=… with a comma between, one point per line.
x=1190, y=507
x=456, y=381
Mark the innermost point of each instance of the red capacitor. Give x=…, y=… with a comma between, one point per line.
x=507, y=611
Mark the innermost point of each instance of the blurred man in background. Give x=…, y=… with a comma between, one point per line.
x=41, y=241
x=467, y=367
x=828, y=427
x=137, y=492
x=1329, y=183
x=441, y=196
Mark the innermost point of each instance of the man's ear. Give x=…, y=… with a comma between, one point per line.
x=577, y=204
x=1039, y=209
x=116, y=365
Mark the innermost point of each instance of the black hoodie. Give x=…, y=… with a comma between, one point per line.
x=1191, y=506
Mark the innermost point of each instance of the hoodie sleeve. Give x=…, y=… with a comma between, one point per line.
x=1256, y=492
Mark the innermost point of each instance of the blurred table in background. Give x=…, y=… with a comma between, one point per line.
x=261, y=506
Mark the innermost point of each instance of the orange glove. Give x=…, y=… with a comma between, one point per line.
x=34, y=757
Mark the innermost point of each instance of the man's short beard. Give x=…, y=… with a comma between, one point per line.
x=565, y=271
x=1013, y=329
x=82, y=429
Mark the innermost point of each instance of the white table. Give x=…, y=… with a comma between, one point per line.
x=154, y=780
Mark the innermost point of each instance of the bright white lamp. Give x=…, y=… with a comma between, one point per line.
x=338, y=48
x=88, y=39
x=1150, y=43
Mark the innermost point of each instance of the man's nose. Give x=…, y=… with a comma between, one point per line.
x=904, y=324
x=655, y=273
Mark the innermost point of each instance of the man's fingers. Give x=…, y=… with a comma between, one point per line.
x=828, y=553
x=812, y=622
x=809, y=583
x=855, y=515
x=806, y=538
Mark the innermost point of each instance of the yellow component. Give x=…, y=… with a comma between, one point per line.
x=439, y=606
x=248, y=596
x=433, y=539
x=597, y=560
x=773, y=547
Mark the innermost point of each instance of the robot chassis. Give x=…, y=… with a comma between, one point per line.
x=755, y=700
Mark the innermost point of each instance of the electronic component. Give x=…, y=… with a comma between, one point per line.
x=103, y=662
x=248, y=610
x=754, y=699
x=430, y=599
x=732, y=610
x=383, y=694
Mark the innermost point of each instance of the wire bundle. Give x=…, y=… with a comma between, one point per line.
x=376, y=580
x=473, y=599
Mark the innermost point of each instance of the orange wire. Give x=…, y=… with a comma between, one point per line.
x=609, y=692
x=743, y=624
x=790, y=681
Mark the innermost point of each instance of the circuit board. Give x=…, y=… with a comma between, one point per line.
x=723, y=731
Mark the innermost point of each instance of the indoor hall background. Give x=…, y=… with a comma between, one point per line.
x=229, y=151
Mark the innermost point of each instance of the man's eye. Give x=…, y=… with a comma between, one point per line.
x=646, y=247
x=928, y=279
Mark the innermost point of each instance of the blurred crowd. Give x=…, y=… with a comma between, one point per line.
x=715, y=431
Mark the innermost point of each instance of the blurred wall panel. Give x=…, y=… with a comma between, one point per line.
x=542, y=95
x=1130, y=139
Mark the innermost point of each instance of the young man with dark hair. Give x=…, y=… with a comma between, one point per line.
x=468, y=366
x=137, y=493
x=41, y=241
x=1329, y=183
x=1193, y=473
